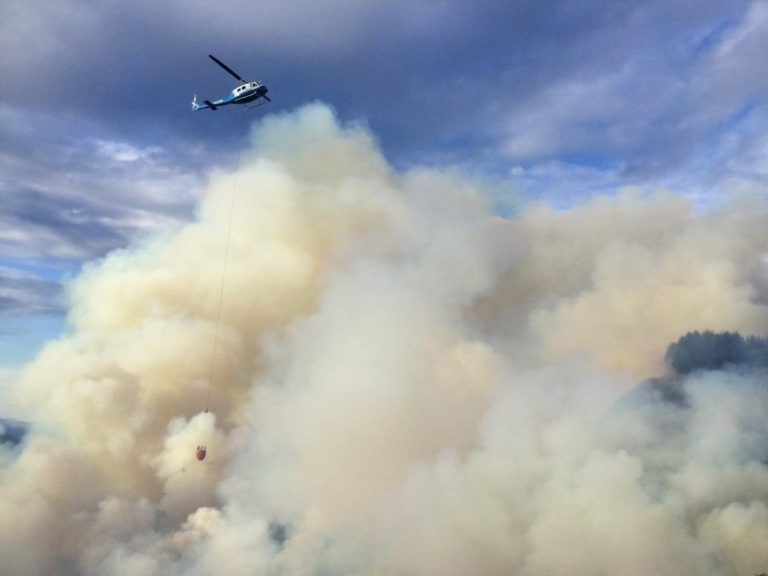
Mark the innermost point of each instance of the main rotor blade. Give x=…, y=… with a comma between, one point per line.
x=227, y=68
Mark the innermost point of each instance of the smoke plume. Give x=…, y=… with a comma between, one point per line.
x=404, y=384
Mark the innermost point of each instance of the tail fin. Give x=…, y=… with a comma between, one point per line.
x=195, y=105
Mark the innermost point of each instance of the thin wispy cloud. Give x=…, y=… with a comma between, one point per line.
x=24, y=294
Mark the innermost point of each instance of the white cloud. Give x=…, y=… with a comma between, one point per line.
x=71, y=196
x=123, y=152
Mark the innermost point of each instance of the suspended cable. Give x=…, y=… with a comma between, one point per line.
x=201, y=449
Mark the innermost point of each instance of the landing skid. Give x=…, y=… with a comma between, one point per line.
x=252, y=106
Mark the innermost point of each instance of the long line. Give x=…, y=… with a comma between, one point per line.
x=223, y=277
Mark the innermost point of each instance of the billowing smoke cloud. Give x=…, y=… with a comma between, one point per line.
x=404, y=383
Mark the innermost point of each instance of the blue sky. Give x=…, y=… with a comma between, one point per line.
x=552, y=101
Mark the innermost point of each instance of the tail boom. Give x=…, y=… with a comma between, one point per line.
x=206, y=104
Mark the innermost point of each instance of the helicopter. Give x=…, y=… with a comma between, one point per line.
x=247, y=92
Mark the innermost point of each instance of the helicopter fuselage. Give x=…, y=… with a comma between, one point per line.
x=243, y=94
x=247, y=93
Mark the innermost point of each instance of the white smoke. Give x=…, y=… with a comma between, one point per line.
x=404, y=383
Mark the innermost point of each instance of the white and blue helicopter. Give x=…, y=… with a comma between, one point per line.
x=245, y=93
